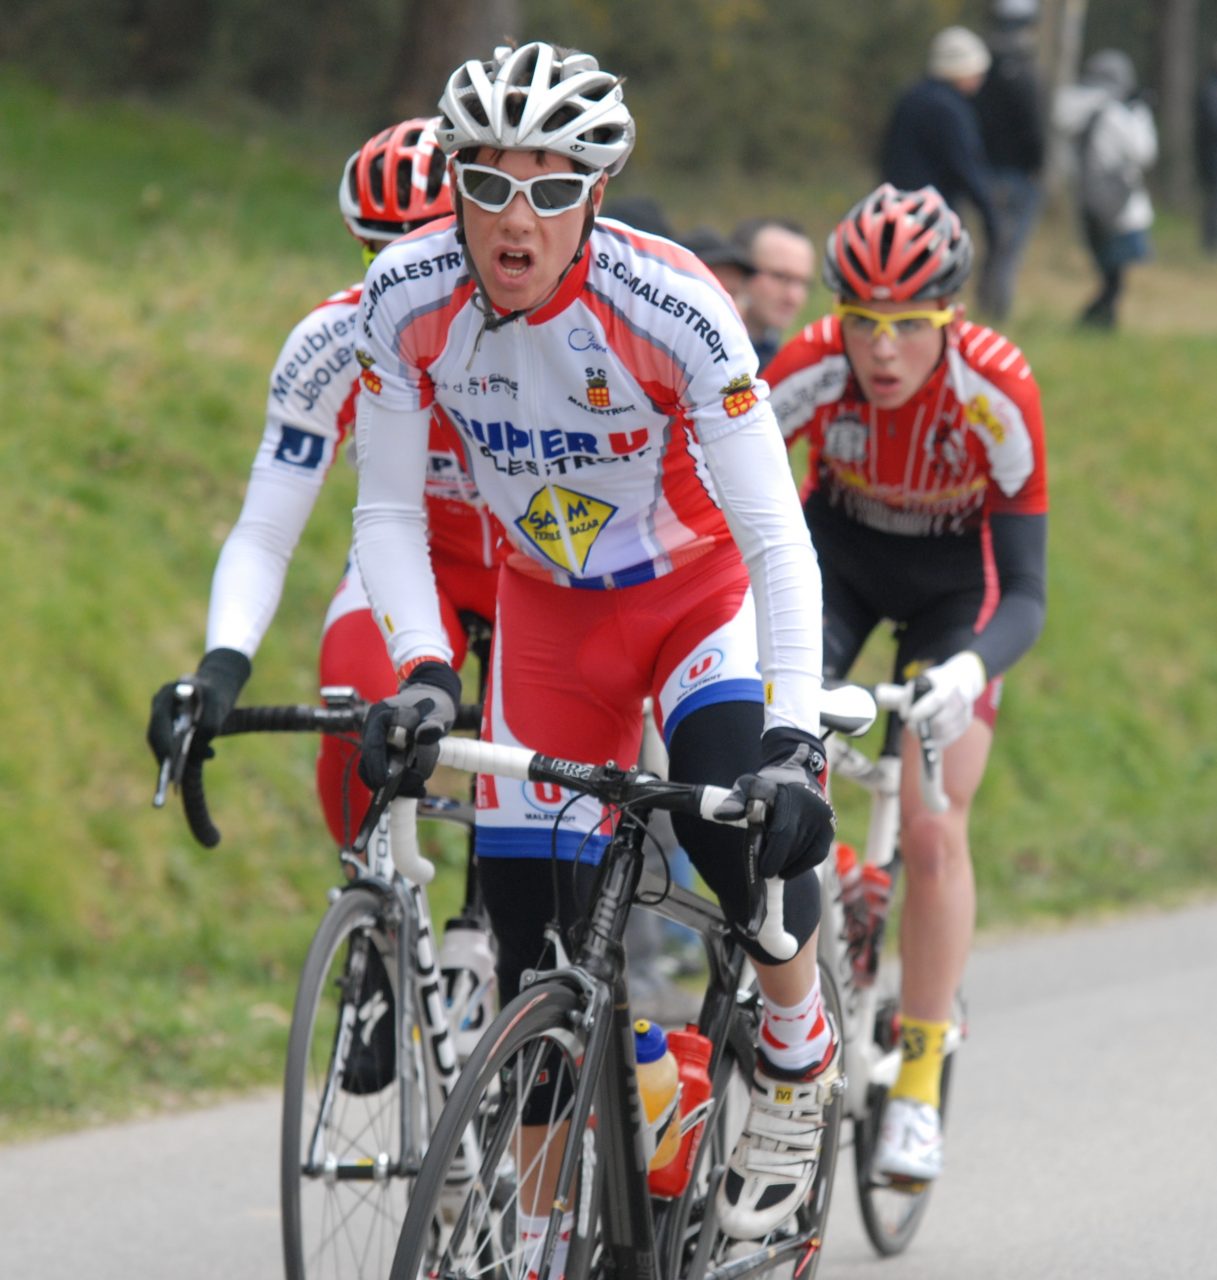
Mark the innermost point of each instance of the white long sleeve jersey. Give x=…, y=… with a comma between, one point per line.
x=310, y=410
x=617, y=432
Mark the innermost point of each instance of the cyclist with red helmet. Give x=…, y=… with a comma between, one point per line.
x=396, y=182
x=926, y=496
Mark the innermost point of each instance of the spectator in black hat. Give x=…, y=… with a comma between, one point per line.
x=641, y=212
x=729, y=262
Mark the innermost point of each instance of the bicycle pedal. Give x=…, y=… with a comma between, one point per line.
x=894, y=1182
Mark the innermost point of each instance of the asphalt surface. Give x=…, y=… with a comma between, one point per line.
x=1083, y=1141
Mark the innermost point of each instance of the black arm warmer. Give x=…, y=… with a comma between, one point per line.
x=1020, y=546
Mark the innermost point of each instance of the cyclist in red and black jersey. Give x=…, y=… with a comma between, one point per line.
x=926, y=496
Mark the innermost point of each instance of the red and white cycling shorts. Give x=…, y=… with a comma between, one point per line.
x=569, y=673
x=353, y=653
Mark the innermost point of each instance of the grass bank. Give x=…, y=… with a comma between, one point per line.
x=150, y=267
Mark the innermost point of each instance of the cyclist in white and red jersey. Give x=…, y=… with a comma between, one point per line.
x=603, y=388
x=395, y=182
x=927, y=498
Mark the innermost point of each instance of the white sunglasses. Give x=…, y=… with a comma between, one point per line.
x=548, y=194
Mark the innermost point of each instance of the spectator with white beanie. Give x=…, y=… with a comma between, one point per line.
x=933, y=137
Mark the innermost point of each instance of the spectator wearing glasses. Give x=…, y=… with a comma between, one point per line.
x=926, y=496
x=783, y=262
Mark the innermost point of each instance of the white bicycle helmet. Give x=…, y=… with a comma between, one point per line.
x=538, y=98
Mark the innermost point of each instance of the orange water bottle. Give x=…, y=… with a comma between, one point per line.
x=853, y=903
x=659, y=1087
x=692, y=1051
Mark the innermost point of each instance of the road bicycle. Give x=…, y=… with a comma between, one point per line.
x=373, y=1047
x=867, y=978
x=546, y=1118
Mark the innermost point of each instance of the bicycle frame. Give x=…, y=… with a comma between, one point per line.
x=866, y=1063
x=420, y=991
x=638, y=1235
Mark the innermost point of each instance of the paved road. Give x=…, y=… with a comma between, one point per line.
x=1084, y=1141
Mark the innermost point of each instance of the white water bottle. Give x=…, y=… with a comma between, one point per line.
x=467, y=967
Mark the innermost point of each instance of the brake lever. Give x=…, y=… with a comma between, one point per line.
x=379, y=803
x=931, y=772
x=765, y=896
x=173, y=767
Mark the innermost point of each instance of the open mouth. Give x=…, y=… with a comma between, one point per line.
x=514, y=263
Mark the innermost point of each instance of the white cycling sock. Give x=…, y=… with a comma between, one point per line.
x=798, y=1038
x=532, y=1229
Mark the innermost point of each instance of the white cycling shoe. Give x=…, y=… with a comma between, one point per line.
x=910, y=1141
x=775, y=1160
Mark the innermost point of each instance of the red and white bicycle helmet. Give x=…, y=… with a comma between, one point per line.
x=395, y=181
x=538, y=98
x=898, y=246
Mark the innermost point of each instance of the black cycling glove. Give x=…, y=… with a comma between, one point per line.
x=799, y=832
x=218, y=683
x=425, y=707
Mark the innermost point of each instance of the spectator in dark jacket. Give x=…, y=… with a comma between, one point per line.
x=933, y=136
x=1012, y=130
x=1206, y=157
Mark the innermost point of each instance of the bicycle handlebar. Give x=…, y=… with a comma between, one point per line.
x=847, y=709
x=899, y=698
x=186, y=769
x=624, y=788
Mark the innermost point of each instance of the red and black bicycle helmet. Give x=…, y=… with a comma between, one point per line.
x=898, y=246
x=395, y=181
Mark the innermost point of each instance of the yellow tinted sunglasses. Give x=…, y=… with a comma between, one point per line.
x=896, y=324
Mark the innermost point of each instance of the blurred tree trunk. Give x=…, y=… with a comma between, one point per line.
x=438, y=37
x=1063, y=23
x=166, y=41
x=1178, y=39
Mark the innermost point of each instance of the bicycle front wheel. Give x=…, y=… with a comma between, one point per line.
x=345, y=1154
x=488, y=1179
x=794, y=1248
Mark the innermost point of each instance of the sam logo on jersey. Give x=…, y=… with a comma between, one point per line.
x=738, y=395
x=563, y=525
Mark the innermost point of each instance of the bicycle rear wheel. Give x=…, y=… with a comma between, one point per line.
x=342, y=1165
x=482, y=1173
x=891, y=1212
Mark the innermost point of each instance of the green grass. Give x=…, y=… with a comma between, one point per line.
x=150, y=267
